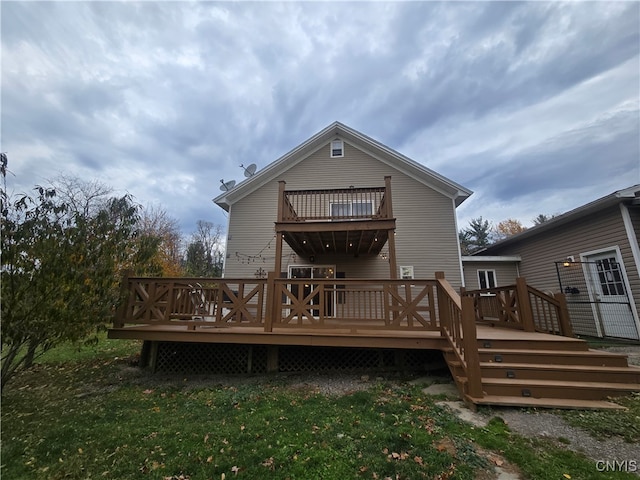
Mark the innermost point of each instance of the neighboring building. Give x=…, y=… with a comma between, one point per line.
x=591, y=254
x=490, y=271
x=343, y=176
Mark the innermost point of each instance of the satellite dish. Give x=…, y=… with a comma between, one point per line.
x=226, y=186
x=249, y=171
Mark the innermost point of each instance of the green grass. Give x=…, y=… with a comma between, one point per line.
x=608, y=423
x=91, y=414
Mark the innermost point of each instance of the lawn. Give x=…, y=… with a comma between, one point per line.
x=91, y=413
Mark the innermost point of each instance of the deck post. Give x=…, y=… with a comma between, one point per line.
x=444, y=315
x=280, y=218
x=121, y=312
x=393, y=265
x=563, y=315
x=471, y=355
x=271, y=308
x=524, y=305
x=272, y=358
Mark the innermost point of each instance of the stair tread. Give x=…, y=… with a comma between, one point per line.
x=512, y=401
x=548, y=366
x=528, y=351
x=562, y=383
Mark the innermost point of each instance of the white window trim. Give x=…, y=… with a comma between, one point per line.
x=495, y=279
x=341, y=148
x=409, y=268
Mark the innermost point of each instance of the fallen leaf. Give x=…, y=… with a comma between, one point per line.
x=566, y=475
x=147, y=391
x=418, y=460
x=235, y=470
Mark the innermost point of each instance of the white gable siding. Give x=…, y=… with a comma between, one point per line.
x=426, y=237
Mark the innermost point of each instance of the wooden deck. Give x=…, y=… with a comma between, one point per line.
x=504, y=347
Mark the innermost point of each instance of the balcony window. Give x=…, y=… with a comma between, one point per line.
x=351, y=210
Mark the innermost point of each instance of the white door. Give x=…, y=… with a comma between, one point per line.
x=609, y=291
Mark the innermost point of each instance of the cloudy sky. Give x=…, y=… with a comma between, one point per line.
x=533, y=106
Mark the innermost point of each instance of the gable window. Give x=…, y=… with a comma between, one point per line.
x=337, y=148
x=487, y=278
x=406, y=273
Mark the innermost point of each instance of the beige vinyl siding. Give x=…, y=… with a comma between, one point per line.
x=506, y=273
x=604, y=229
x=426, y=236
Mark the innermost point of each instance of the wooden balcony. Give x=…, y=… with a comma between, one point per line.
x=502, y=347
x=354, y=221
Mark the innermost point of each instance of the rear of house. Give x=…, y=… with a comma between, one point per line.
x=338, y=169
x=591, y=254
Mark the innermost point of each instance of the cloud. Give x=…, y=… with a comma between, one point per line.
x=164, y=99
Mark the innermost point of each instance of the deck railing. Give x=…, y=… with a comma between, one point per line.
x=334, y=205
x=522, y=307
x=192, y=301
x=353, y=304
x=459, y=328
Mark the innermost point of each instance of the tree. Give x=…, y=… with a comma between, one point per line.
x=542, y=218
x=160, y=233
x=205, y=251
x=476, y=236
x=61, y=268
x=508, y=228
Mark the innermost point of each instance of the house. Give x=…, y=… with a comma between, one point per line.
x=591, y=254
x=345, y=252
x=335, y=181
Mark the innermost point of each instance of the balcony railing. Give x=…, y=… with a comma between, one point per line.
x=340, y=204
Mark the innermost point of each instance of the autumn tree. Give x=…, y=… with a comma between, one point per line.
x=160, y=233
x=205, y=251
x=61, y=267
x=476, y=236
x=508, y=228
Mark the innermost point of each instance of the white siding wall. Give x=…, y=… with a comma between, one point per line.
x=426, y=237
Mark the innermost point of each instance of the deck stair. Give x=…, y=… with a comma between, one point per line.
x=543, y=370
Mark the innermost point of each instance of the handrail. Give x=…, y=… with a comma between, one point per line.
x=522, y=307
x=457, y=321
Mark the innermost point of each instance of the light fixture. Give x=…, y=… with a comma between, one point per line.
x=568, y=261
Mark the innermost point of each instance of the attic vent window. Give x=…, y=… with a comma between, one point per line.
x=337, y=148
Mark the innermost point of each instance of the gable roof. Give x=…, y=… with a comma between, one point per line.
x=381, y=152
x=630, y=195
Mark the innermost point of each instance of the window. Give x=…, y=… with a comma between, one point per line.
x=610, y=276
x=352, y=210
x=337, y=148
x=406, y=273
x=487, y=278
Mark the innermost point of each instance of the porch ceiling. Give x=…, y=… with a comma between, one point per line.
x=351, y=238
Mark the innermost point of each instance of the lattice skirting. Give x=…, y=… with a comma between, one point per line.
x=203, y=358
